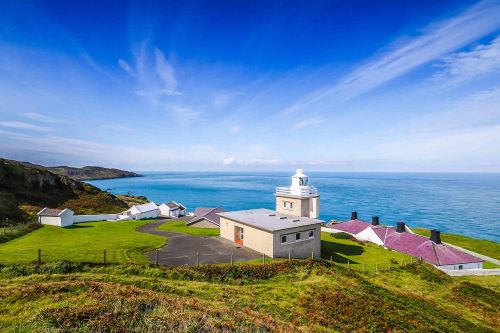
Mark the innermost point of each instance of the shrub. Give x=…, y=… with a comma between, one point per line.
x=342, y=235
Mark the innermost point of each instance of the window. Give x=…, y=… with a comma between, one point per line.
x=297, y=236
x=460, y=266
x=241, y=233
x=283, y=239
x=288, y=205
x=311, y=234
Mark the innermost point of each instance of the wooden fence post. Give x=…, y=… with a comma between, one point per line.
x=312, y=255
x=231, y=259
x=39, y=256
x=156, y=258
x=197, y=259
x=376, y=267
x=363, y=266
x=331, y=258
x=347, y=263
x=289, y=256
x=263, y=258
x=104, y=256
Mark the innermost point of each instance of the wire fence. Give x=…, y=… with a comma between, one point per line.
x=104, y=256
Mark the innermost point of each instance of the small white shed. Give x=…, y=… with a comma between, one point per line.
x=172, y=209
x=145, y=211
x=56, y=217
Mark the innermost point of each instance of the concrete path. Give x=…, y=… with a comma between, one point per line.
x=181, y=249
x=472, y=272
x=475, y=254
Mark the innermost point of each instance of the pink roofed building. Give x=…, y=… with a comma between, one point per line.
x=402, y=239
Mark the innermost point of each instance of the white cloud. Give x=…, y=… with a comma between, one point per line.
x=235, y=129
x=229, y=161
x=154, y=74
x=23, y=125
x=251, y=162
x=40, y=117
x=182, y=115
x=465, y=66
x=437, y=40
x=307, y=122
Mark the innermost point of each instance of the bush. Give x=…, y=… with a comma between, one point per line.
x=343, y=235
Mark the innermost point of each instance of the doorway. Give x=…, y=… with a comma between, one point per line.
x=238, y=235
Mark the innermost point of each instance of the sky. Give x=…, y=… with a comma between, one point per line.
x=392, y=86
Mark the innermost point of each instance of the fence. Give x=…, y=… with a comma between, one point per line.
x=104, y=256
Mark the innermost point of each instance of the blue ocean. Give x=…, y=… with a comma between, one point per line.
x=467, y=204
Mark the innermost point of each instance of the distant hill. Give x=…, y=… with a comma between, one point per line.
x=26, y=188
x=91, y=172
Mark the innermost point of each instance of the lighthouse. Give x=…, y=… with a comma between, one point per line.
x=299, y=199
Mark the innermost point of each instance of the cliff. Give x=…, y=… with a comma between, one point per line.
x=26, y=188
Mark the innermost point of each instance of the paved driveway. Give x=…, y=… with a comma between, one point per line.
x=181, y=249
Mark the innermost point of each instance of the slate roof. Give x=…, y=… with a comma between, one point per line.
x=352, y=227
x=422, y=247
x=412, y=244
x=147, y=207
x=206, y=213
x=268, y=219
x=50, y=212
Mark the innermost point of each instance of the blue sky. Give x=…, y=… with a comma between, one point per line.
x=252, y=85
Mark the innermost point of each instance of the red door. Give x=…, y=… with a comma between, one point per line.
x=238, y=235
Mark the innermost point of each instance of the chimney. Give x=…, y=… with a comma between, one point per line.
x=354, y=215
x=375, y=220
x=436, y=236
x=400, y=227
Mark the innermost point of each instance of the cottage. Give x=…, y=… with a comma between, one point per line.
x=172, y=209
x=206, y=218
x=56, y=217
x=273, y=234
x=144, y=211
x=402, y=239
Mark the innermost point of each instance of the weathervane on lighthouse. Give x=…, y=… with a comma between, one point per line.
x=299, y=199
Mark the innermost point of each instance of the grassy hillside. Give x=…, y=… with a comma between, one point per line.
x=297, y=296
x=488, y=248
x=84, y=242
x=25, y=189
x=91, y=172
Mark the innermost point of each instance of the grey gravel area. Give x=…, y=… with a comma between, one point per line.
x=181, y=249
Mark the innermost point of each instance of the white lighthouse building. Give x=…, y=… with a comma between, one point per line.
x=300, y=199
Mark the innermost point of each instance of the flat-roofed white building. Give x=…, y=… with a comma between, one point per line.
x=273, y=234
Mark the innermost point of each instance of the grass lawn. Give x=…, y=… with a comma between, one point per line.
x=84, y=242
x=488, y=248
x=358, y=254
x=180, y=226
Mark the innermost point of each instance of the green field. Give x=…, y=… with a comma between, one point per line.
x=84, y=242
x=296, y=296
x=488, y=248
x=180, y=226
x=359, y=253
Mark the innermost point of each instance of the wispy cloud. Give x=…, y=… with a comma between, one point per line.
x=41, y=117
x=182, y=115
x=307, y=122
x=25, y=126
x=465, y=66
x=437, y=40
x=154, y=74
x=250, y=162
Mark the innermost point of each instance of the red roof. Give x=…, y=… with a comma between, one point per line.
x=412, y=244
x=422, y=247
x=352, y=227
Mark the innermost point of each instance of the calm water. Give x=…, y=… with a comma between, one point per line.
x=467, y=204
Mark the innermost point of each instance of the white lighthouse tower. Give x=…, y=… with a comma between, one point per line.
x=300, y=199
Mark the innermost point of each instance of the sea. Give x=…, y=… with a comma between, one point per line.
x=466, y=204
